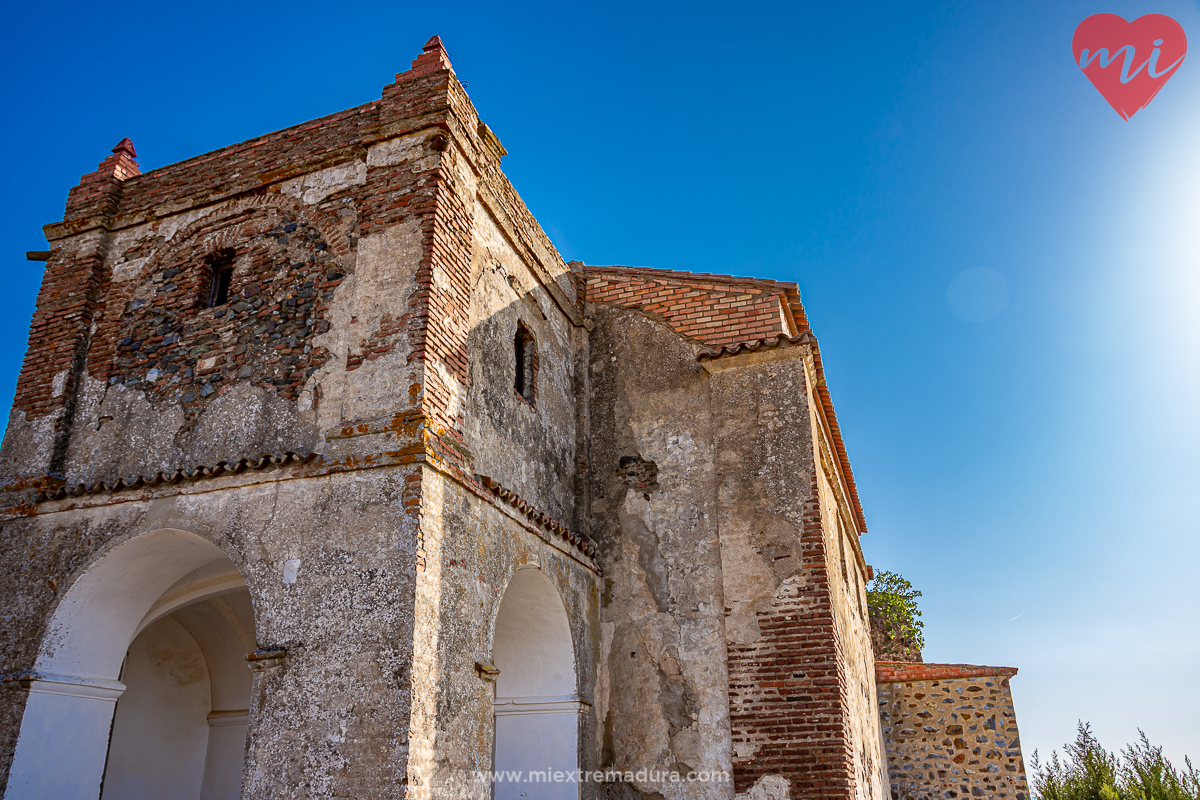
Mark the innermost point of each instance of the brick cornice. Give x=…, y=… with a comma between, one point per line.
x=908, y=671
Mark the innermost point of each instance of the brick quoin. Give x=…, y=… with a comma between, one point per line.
x=787, y=691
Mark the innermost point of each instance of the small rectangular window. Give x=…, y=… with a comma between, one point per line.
x=525, y=353
x=520, y=348
x=222, y=274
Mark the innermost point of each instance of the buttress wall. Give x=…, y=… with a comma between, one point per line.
x=951, y=731
x=662, y=701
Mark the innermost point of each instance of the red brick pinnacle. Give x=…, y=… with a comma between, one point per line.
x=119, y=165
x=432, y=59
x=125, y=146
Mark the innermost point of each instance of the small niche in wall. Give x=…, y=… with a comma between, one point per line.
x=525, y=356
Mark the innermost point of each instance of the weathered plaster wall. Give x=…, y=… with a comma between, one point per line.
x=529, y=447
x=472, y=550
x=332, y=720
x=951, y=731
x=662, y=702
x=800, y=696
x=847, y=569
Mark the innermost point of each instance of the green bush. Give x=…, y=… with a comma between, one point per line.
x=896, y=627
x=1089, y=772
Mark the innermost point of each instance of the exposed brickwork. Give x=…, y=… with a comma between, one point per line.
x=785, y=700
x=713, y=309
x=638, y=473
x=381, y=342
x=900, y=671
x=950, y=731
x=71, y=292
x=66, y=304
x=100, y=193
x=787, y=703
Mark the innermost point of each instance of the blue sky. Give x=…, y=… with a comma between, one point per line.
x=1003, y=274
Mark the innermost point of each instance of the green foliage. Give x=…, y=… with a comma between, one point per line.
x=892, y=603
x=1089, y=772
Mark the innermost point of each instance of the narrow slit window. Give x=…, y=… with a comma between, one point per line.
x=222, y=275
x=524, y=352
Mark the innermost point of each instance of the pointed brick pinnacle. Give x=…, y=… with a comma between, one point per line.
x=432, y=59
x=125, y=146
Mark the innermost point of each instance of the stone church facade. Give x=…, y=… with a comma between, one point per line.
x=327, y=477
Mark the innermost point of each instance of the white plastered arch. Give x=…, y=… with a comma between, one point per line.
x=537, y=703
x=532, y=644
x=63, y=741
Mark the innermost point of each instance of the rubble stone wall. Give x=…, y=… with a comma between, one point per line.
x=951, y=731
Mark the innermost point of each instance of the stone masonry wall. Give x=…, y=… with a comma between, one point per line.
x=347, y=337
x=951, y=731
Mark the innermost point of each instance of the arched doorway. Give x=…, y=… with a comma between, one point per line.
x=156, y=631
x=537, y=701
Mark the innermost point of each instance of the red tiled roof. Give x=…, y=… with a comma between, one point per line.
x=723, y=311
x=713, y=309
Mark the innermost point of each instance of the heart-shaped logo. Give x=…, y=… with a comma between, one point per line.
x=1129, y=61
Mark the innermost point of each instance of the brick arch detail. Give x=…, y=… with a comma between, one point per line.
x=326, y=224
x=233, y=226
